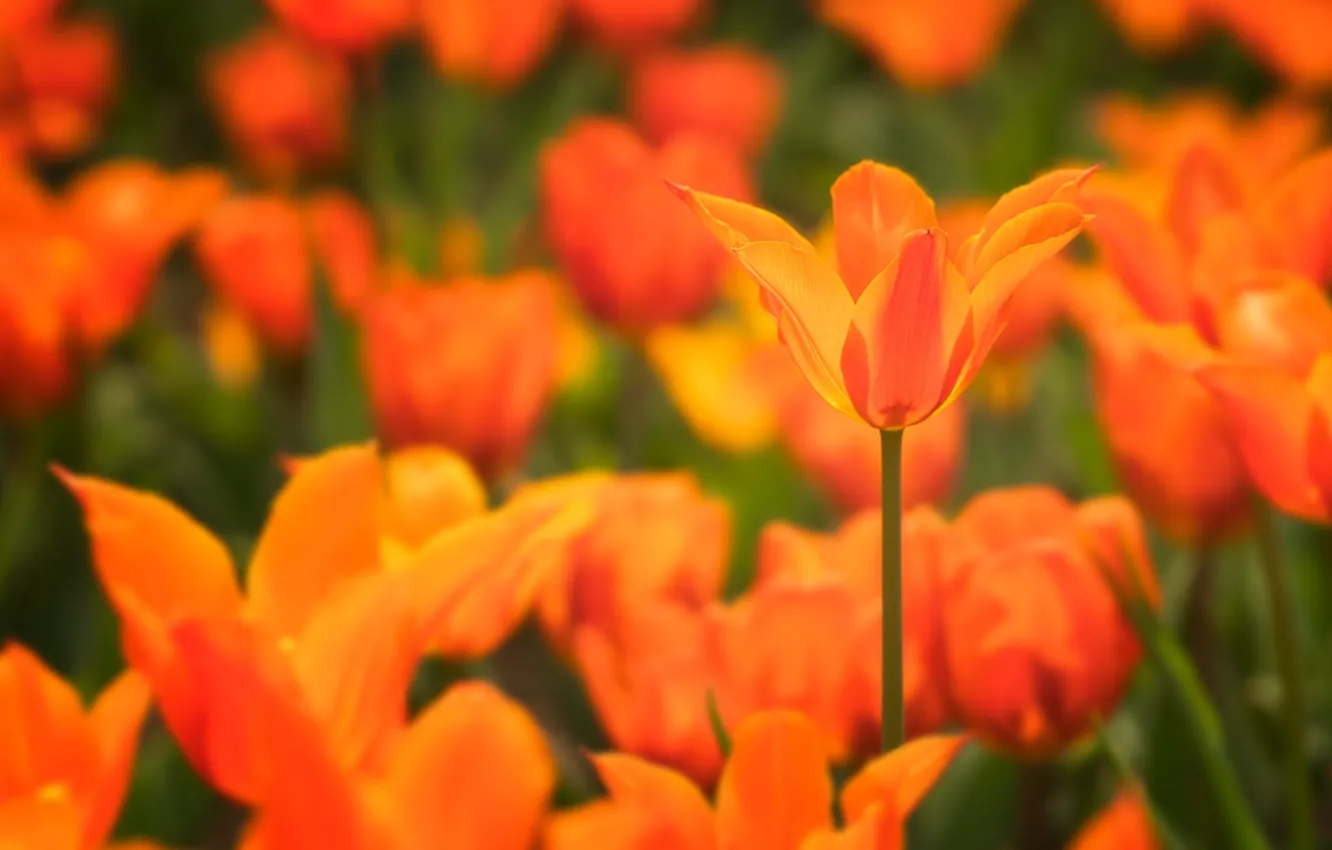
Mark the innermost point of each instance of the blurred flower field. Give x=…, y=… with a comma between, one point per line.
x=665, y=424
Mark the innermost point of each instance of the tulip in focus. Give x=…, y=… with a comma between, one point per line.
x=64, y=770
x=469, y=365
x=629, y=26
x=495, y=43
x=1037, y=646
x=635, y=258
x=282, y=103
x=727, y=93
x=897, y=331
x=319, y=606
x=777, y=756
x=346, y=26
x=925, y=43
x=1125, y=824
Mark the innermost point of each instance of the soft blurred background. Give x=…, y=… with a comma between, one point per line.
x=233, y=232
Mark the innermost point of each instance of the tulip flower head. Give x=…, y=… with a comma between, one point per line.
x=1125, y=824
x=497, y=43
x=897, y=331
x=346, y=26
x=629, y=26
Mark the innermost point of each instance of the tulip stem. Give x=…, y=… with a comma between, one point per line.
x=894, y=726
x=1289, y=666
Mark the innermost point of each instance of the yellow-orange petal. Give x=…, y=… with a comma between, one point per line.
x=428, y=489
x=323, y=528
x=603, y=824
x=473, y=772
x=683, y=811
x=1270, y=414
x=878, y=828
x=1061, y=186
x=775, y=789
x=36, y=821
x=897, y=353
x=900, y=779
x=874, y=206
x=116, y=719
x=736, y=224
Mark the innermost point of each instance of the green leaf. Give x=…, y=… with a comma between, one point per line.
x=338, y=411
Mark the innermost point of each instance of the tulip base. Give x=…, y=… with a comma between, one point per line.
x=894, y=726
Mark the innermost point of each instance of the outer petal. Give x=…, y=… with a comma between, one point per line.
x=899, y=780
x=1142, y=254
x=116, y=719
x=874, y=206
x=683, y=812
x=1061, y=186
x=1270, y=413
x=44, y=740
x=897, y=354
x=1296, y=215
x=813, y=309
x=605, y=825
x=736, y=224
x=324, y=527
x=775, y=789
x=472, y=773
x=1125, y=824
x=39, y=823
x=879, y=828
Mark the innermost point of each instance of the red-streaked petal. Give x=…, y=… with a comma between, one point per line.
x=874, y=206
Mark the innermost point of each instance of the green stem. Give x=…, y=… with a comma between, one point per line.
x=1286, y=642
x=635, y=395
x=894, y=725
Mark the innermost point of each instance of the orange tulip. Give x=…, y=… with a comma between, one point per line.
x=1037, y=646
x=1156, y=25
x=20, y=16
x=469, y=365
x=1290, y=36
x=494, y=43
x=282, y=102
x=346, y=248
x=472, y=770
x=898, y=331
x=922, y=42
x=632, y=255
x=632, y=25
x=61, y=80
x=63, y=770
x=1125, y=824
x=778, y=756
x=346, y=26
x=654, y=537
x=40, y=277
x=727, y=93
x=320, y=607
x=426, y=490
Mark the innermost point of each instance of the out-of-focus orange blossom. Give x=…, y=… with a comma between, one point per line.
x=632, y=26
x=634, y=256
x=496, y=43
x=346, y=26
x=1124, y=824
x=282, y=102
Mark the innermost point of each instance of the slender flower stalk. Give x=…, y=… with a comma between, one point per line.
x=894, y=726
x=1299, y=809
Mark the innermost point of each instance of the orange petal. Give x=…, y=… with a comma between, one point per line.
x=876, y=829
x=1125, y=824
x=323, y=528
x=473, y=771
x=604, y=824
x=897, y=354
x=1269, y=413
x=736, y=224
x=1061, y=186
x=39, y=823
x=1205, y=186
x=681, y=807
x=116, y=716
x=899, y=780
x=814, y=311
x=775, y=789
x=1142, y=254
x=874, y=206
x=428, y=489
x=44, y=739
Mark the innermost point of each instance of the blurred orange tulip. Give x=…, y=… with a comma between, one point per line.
x=320, y=606
x=1125, y=824
x=63, y=770
x=1277, y=319
x=346, y=26
x=897, y=331
x=1037, y=646
x=1289, y=36
x=19, y=16
x=60, y=82
x=729, y=94
x=498, y=43
x=40, y=278
x=1157, y=25
x=622, y=25
x=920, y=42
x=469, y=365
x=655, y=536
x=426, y=490
x=282, y=102
x=778, y=755
x=634, y=257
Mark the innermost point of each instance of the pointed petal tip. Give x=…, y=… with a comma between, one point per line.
x=678, y=189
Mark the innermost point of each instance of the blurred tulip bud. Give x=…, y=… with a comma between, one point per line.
x=729, y=94
x=469, y=365
x=282, y=102
x=1125, y=824
x=628, y=26
x=497, y=43
x=230, y=345
x=1155, y=25
x=346, y=26
x=1037, y=645
x=633, y=253
x=41, y=275
x=18, y=17
x=346, y=248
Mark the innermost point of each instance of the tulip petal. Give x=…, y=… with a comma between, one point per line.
x=1270, y=413
x=897, y=353
x=1061, y=186
x=681, y=807
x=878, y=828
x=815, y=311
x=1142, y=254
x=43, y=736
x=472, y=771
x=323, y=528
x=873, y=207
x=899, y=780
x=28, y=823
x=117, y=717
x=736, y=224
x=1205, y=186
x=775, y=789
x=1296, y=215
x=602, y=824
